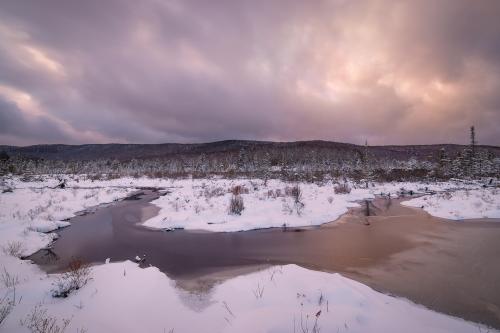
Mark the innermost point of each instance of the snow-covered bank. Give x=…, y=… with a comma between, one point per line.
x=28, y=213
x=125, y=298
x=461, y=204
x=122, y=297
x=204, y=204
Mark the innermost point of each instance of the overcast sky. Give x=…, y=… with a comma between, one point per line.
x=151, y=71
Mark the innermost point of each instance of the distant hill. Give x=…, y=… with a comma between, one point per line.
x=308, y=160
x=89, y=152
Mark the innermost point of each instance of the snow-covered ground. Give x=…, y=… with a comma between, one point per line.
x=31, y=211
x=461, y=204
x=122, y=297
x=204, y=204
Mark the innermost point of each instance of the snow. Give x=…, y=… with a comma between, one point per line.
x=203, y=204
x=28, y=213
x=122, y=297
x=461, y=204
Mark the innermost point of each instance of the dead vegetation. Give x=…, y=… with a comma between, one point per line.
x=8, y=280
x=236, y=205
x=14, y=249
x=259, y=291
x=7, y=303
x=77, y=276
x=39, y=321
x=213, y=192
x=9, y=300
x=343, y=188
x=296, y=193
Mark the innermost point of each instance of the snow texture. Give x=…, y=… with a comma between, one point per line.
x=32, y=210
x=204, y=204
x=460, y=204
x=122, y=297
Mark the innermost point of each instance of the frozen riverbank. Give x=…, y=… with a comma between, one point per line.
x=122, y=297
x=461, y=204
x=148, y=287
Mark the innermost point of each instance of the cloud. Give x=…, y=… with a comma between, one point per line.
x=395, y=72
x=16, y=128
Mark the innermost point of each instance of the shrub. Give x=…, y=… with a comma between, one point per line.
x=14, y=248
x=213, y=192
x=39, y=321
x=9, y=280
x=238, y=189
x=295, y=192
x=342, y=189
x=236, y=205
x=7, y=303
x=78, y=274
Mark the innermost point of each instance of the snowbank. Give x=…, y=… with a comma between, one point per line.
x=27, y=213
x=204, y=204
x=461, y=204
x=125, y=298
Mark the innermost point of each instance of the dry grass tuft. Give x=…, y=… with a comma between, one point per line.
x=78, y=275
x=14, y=248
x=39, y=321
x=236, y=205
x=342, y=189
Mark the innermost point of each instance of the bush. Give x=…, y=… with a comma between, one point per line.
x=295, y=192
x=7, y=303
x=14, y=249
x=78, y=274
x=39, y=321
x=9, y=280
x=236, y=205
x=342, y=189
x=213, y=192
x=238, y=189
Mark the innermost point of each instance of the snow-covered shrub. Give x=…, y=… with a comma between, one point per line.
x=8, y=280
x=7, y=303
x=274, y=193
x=14, y=248
x=7, y=190
x=286, y=208
x=343, y=188
x=214, y=192
x=295, y=192
x=39, y=321
x=78, y=274
x=197, y=208
x=239, y=189
x=236, y=205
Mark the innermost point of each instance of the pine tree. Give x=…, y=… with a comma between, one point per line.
x=444, y=162
x=366, y=167
x=473, y=141
x=472, y=160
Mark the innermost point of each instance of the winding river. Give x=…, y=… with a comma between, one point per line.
x=451, y=267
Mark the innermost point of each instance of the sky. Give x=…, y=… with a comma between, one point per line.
x=152, y=71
